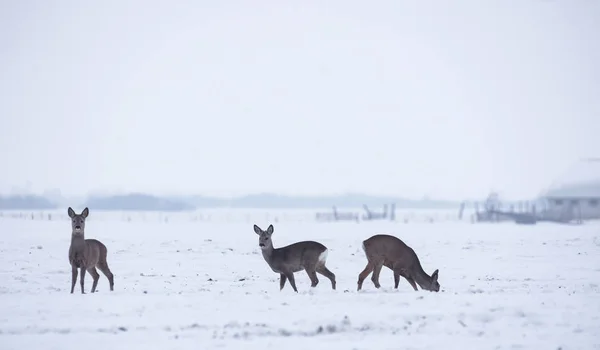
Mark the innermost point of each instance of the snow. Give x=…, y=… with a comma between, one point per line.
x=185, y=283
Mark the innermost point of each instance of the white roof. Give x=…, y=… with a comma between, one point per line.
x=582, y=190
x=582, y=180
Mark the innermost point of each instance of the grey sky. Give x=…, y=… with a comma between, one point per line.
x=442, y=98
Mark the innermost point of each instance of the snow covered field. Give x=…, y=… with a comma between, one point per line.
x=192, y=284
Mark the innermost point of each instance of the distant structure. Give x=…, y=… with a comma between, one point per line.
x=493, y=210
x=335, y=215
x=581, y=201
x=388, y=213
x=577, y=194
x=384, y=215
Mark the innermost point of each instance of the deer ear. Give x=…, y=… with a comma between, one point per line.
x=257, y=230
x=434, y=276
x=85, y=213
x=270, y=229
x=71, y=212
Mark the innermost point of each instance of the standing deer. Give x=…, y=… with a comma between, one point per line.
x=309, y=256
x=86, y=254
x=391, y=252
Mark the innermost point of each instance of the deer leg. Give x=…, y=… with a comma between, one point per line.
x=282, y=280
x=82, y=278
x=290, y=276
x=325, y=272
x=412, y=282
x=106, y=271
x=313, y=277
x=390, y=266
x=361, y=277
x=396, y=280
x=73, y=278
x=375, y=276
x=95, y=277
x=403, y=273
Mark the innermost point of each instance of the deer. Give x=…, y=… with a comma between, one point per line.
x=309, y=256
x=86, y=254
x=391, y=252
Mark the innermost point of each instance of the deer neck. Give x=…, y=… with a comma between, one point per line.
x=422, y=279
x=267, y=252
x=77, y=240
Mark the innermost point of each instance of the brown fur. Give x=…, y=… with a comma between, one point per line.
x=307, y=255
x=86, y=254
x=391, y=252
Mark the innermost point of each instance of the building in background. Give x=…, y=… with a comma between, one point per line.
x=577, y=193
x=577, y=200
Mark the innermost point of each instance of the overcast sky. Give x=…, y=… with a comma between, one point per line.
x=448, y=99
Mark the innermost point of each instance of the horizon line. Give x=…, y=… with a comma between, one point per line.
x=423, y=198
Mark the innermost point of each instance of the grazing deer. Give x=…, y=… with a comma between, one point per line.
x=86, y=254
x=391, y=252
x=309, y=256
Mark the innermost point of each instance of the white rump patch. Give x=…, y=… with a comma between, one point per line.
x=323, y=256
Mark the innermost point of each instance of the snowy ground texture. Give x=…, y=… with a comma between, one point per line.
x=186, y=284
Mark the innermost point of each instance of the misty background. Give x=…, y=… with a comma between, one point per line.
x=394, y=99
